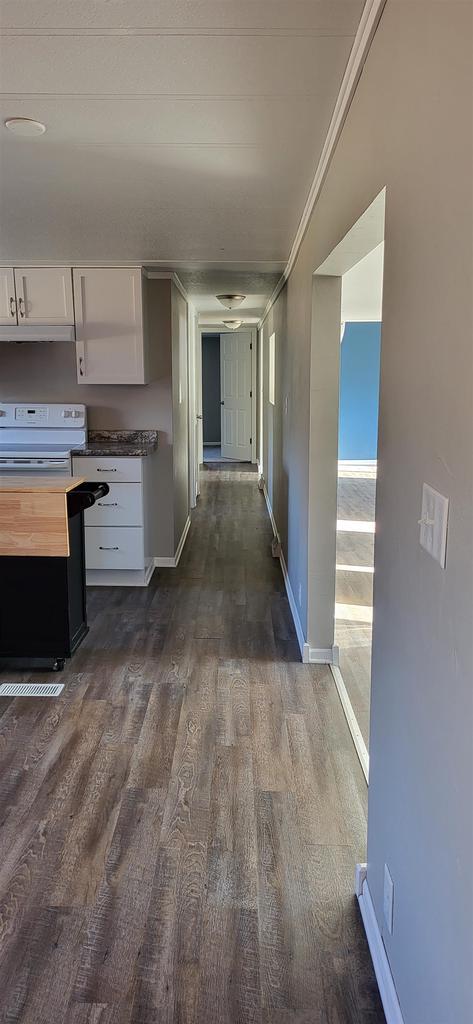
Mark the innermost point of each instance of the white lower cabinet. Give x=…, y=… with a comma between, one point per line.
x=122, y=506
x=114, y=547
x=116, y=543
x=108, y=468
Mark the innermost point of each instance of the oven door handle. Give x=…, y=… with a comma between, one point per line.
x=43, y=465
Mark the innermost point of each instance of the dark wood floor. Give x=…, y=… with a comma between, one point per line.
x=178, y=832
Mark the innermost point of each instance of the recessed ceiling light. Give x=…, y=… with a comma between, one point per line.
x=25, y=126
x=231, y=301
x=232, y=324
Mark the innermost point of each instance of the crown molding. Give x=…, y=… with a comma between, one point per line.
x=369, y=21
x=207, y=32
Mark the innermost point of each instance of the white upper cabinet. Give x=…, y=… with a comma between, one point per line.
x=44, y=295
x=7, y=296
x=109, y=325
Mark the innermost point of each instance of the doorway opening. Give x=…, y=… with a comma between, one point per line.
x=211, y=408
x=345, y=366
x=228, y=382
x=360, y=349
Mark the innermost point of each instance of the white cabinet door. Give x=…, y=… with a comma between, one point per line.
x=109, y=325
x=235, y=395
x=44, y=295
x=114, y=547
x=122, y=506
x=109, y=468
x=7, y=296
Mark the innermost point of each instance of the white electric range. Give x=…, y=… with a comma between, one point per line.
x=40, y=438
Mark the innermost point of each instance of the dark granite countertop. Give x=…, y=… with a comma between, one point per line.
x=119, y=443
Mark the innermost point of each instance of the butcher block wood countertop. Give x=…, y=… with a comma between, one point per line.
x=33, y=514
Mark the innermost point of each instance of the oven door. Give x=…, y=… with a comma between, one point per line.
x=35, y=464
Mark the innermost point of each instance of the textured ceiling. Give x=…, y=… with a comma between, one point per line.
x=177, y=131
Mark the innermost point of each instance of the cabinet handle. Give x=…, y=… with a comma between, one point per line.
x=101, y=548
x=108, y=470
x=81, y=366
x=12, y=306
x=107, y=504
x=21, y=302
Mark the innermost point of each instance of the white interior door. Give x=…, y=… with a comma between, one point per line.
x=235, y=395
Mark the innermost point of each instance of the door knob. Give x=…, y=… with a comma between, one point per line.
x=199, y=416
x=222, y=402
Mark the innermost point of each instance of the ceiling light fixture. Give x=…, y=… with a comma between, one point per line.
x=25, y=126
x=232, y=324
x=231, y=301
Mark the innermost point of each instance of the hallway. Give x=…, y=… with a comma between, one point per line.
x=178, y=831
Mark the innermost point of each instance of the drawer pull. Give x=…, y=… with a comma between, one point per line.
x=101, y=548
x=107, y=504
x=108, y=470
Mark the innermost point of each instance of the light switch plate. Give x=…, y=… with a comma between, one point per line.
x=433, y=524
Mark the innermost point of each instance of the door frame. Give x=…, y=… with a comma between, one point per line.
x=192, y=418
x=367, y=232
x=215, y=329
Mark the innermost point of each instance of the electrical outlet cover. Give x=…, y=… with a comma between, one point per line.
x=433, y=524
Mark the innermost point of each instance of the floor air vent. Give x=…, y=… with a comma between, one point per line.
x=31, y=689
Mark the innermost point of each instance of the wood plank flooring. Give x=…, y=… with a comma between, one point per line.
x=178, y=831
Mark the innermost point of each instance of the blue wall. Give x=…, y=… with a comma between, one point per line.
x=359, y=391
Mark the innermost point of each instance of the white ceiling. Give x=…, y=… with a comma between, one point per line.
x=178, y=132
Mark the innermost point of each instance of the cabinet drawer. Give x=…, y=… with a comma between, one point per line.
x=109, y=469
x=114, y=547
x=122, y=506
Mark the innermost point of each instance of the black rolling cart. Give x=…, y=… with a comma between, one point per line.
x=43, y=615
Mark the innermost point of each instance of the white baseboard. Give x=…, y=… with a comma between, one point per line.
x=357, y=463
x=180, y=546
x=120, y=577
x=172, y=561
x=356, y=734
x=293, y=606
x=320, y=655
x=287, y=582
x=309, y=655
x=387, y=989
x=165, y=562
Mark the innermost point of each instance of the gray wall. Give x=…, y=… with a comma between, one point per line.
x=409, y=128
x=211, y=388
x=47, y=373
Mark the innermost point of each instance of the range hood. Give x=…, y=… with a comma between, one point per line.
x=29, y=332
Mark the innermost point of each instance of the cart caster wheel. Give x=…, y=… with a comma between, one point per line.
x=58, y=665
